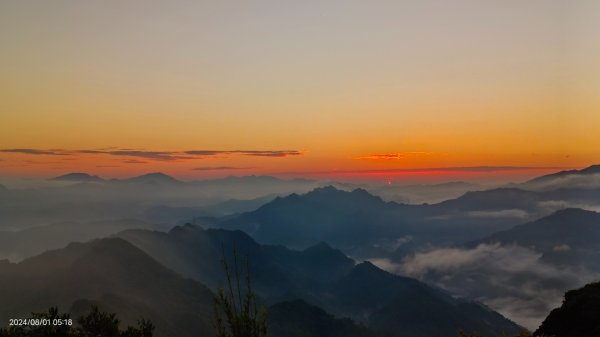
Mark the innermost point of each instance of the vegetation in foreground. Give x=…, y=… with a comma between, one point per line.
x=95, y=324
x=236, y=311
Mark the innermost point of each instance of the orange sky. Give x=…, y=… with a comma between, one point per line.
x=343, y=86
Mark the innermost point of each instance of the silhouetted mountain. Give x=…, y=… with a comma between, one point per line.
x=183, y=214
x=406, y=307
x=567, y=237
x=156, y=178
x=325, y=214
x=423, y=193
x=113, y=274
x=248, y=187
x=594, y=169
x=577, y=316
x=300, y=319
x=322, y=276
x=17, y=245
x=588, y=177
x=492, y=200
x=78, y=177
x=363, y=225
x=195, y=252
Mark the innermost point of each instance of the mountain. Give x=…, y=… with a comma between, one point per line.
x=133, y=198
x=252, y=186
x=17, y=245
x=342, y=218
x=364, y=225
x=588, y=177
x=300, y=319
x=183, y=214
x=110, y=273
x=398, y=305
x=594, y=169
x=423, y=193
x=322, y=276
x=577, y=316
x=156, y=178
x=195, y=252
x=78, y=177
x=569, y=237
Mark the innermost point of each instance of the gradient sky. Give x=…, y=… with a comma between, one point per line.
x=299, y=87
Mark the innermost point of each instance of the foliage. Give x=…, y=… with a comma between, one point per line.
x=236, y=311
x=523, y=333
x=578, y=316
x=95, y=324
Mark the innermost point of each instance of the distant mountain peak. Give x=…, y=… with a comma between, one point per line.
x=186, y=228
x=78, y=177
x=154, y=178
x=361, y=191
x=321, y=246
x=329, y=189
x=592, y=169
x=572, y=211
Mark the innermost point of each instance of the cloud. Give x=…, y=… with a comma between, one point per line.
x=53, y=152
x=392, y=156
x=134, y=161
x=159, y=155
x=152, y=155
x=284, y=153
x=512, y=280
x=393, y=245
x=256, y=153
x=206, y=152
x=221, y=168
x=505, y=213
x=561, y=248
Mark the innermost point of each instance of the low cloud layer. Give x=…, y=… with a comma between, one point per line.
x=509, y=279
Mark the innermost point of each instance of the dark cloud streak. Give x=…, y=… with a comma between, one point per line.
x=159, y=155
x=53, y=152
x=221, y=168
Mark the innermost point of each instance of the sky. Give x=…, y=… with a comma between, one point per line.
x=377, y=89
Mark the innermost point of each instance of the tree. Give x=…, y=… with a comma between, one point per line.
x=236, y=310
x=95, y=324
x=523, y=333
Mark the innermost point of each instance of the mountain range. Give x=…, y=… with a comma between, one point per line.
x=569, y=237
x=588, y=177
x=122, y=278
x=364, y=225
x=321, y=276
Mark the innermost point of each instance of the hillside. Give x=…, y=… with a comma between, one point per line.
x=567, y=237
x=577, y=316
x=112, y=274
x=322, y=276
